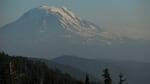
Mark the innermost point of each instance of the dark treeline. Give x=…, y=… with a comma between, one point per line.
x=22, y=70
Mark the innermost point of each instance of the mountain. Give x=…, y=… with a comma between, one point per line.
x=50, y=31
x=135, y=72
x=45, y=22
x=42, y=26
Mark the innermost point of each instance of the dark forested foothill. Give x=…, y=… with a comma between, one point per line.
x=22, y=70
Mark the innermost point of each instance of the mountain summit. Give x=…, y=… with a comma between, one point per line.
x=69, y=21
x=45, y=19
x=44, y=23
x=49, y=28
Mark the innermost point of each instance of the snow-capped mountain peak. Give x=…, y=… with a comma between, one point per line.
x=71, y=22
x=45, y=20
x=62, y=10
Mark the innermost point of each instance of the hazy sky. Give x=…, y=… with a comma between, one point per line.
x=128, y=17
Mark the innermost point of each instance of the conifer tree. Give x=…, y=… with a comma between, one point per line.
x=107, y=78
x=121, y=79
x=87, y=80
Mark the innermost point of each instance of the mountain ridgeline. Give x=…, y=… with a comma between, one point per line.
x=135, y=72
x=23, y=70
x=70, y=70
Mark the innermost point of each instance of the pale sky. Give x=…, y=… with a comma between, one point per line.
x=128, y=17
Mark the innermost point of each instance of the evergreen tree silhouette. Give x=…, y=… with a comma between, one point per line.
x=107, y=78
x=121, y=79
x=87, y=80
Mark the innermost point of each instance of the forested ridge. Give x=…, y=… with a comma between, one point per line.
x=22, y=70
